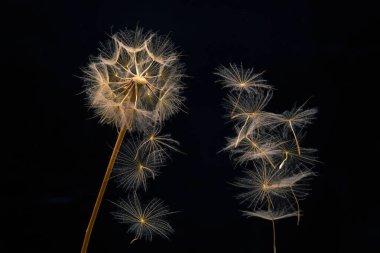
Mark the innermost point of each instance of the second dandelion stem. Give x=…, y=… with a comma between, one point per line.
x=274, y=237
x=103, y=189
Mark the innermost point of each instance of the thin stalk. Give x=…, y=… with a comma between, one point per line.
x=274, y=237
x=103, y=189
x=295, y=138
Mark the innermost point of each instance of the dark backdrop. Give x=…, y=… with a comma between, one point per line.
x=58, y=151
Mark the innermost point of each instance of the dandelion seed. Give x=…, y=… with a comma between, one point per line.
x=157, y=145
x=295, y=118
x=262, y=185
x=239, y=79
x=144, y=222
x=242, y=80
x=134, y=168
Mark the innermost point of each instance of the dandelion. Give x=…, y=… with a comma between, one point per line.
x=135, y=80
x=144, y=222
x=134, y=84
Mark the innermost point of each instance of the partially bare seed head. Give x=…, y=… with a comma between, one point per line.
x=135, y=82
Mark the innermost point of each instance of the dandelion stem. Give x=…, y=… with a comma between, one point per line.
x=103, y=189
x=295, y=138
x=298, y=207
x=274, y=237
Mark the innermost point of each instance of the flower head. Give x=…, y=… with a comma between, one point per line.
x=135, y=82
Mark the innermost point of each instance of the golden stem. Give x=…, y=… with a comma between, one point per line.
x=295, y=138
x=274, y=237
x=298, y=206
x=103, y=189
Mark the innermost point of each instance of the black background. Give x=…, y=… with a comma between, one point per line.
x=58, y=152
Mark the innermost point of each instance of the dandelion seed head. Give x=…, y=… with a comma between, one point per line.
x=136, y=81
